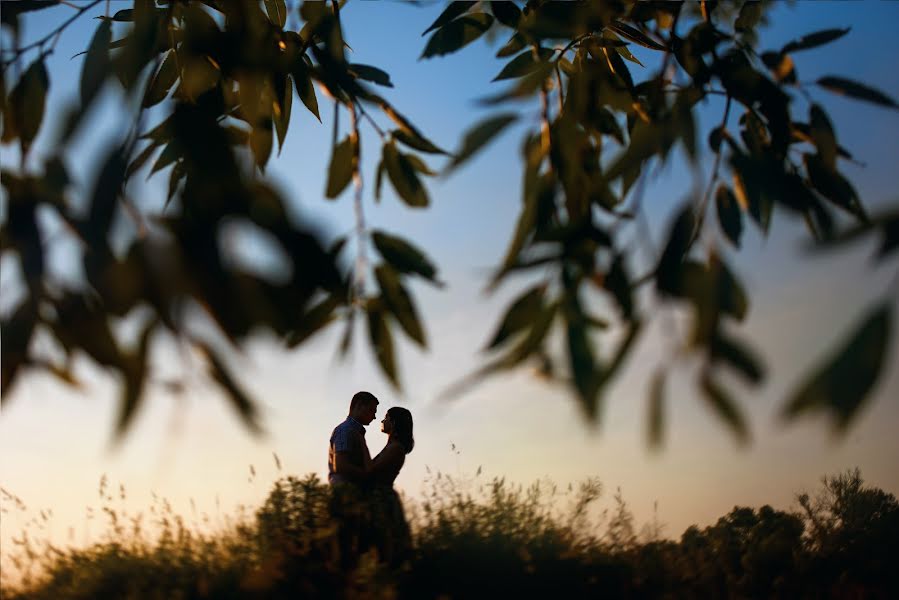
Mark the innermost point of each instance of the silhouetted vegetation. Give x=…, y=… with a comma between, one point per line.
x=480, y=539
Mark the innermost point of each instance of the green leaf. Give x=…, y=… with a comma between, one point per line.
x=618, y=283
x=261, y=140
x=382, y=342
x=521, y=314
x=812, y=40
x=369, y=73
x=730, y=217
x=656, y=416
x=725, y=407
x=847, y=87
x=277, y=11
x=399, y=302
x=305, y=90
x=842, y=382
x=479, y=135
x=457, y=34
x=282, y=114
x=506, y=13
x=162, y=81
x=403, y=256
x=523, y=64
x=340, y=171
x=404, y=177
x=96, y=63
x=452, y=11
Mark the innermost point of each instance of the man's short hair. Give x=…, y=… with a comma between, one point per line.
x=362, y=398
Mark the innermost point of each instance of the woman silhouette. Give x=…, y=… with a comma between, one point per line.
x=391, y=530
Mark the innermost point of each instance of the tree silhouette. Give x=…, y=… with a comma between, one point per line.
x=225, y=74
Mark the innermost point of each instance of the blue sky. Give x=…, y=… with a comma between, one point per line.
x=54, y=441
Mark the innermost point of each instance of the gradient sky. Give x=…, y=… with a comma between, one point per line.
x=55, y=442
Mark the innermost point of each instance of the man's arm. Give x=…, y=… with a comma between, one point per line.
x=343, y=465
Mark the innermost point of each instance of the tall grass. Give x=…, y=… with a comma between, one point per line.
x=477, y=538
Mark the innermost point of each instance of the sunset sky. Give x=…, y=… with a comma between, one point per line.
x=55, y=442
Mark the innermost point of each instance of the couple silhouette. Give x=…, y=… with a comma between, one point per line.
x=368, y=511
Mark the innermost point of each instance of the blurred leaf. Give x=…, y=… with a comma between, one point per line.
x=403, y=256
x=403, y=177
x=277, y=11
x=843, y=381
x=580, y=358
x=240, y=400
x=141, y=160
x=730, y=217
x=523, y=64
x=724, y=407
x=823, y=136
x=847, y=87
x=400, y=303
x=15, y=337
x=28, y=100
x=680, y=237
x=261, y=140
x=407, y=133
x=749, y=16
x=811, y=40
x=169, y=154
x=340, y=171
x=414, y=140
x=618, y=283
x=105, y=196
x=96, y=63
x=305, y=90
x=479, y=135
x=515, y=44
x=313, y=321
x=453, y=10
x=369, y=73
x=162, y=81
x=656, y=417
x=382, y=343
x=282, y=114
x=520, y=315
x=506, y=13
x=457, y=34
x=635, y=35
x=737, y=356
x=833, y=186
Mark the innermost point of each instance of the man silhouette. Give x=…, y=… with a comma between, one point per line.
x=348, y=457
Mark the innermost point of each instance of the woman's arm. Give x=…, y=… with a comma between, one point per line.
x=387, y=460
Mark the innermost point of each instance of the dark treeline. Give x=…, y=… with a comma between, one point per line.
x=498, y=540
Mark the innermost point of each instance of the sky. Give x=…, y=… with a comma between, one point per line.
x=55, y=441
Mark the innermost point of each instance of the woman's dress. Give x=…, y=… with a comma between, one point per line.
x=392, y=536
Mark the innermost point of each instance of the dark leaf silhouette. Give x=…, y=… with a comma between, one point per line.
x=842, y=382
x=847, y=87
x=479, y=135
x=340, y=172
x=457, y=34
x=453, y=10
x=812, y=40
x=403, y=256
